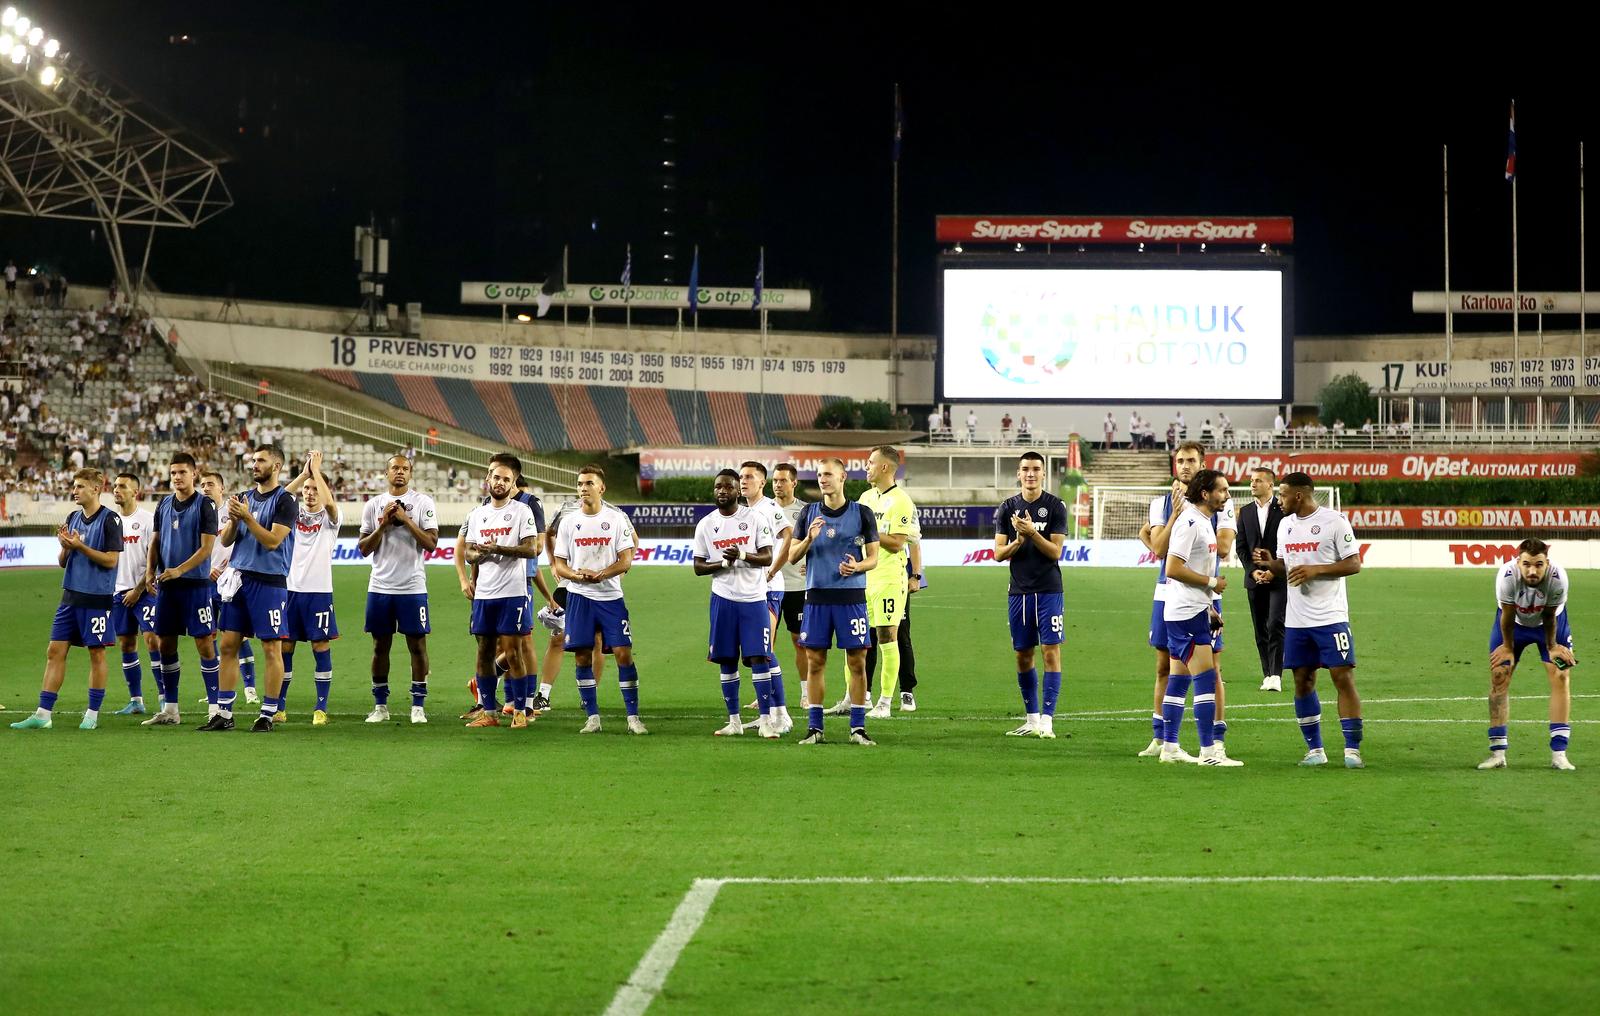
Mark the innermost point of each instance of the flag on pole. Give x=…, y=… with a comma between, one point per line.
x=1511, y=145
x=552, y=285
x=899, y=123
x=694, y=283
x=761, y=274
x=627, y=270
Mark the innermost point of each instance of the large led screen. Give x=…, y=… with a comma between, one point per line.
x=1113, y=334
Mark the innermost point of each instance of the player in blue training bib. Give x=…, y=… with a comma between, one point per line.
x=1030, y=528
x=91, y=545
x=839, y=544
x=179, y=571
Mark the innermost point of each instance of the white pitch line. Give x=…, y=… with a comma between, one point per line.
x=1287, y=703
x=650, y=976
x=1243, y=719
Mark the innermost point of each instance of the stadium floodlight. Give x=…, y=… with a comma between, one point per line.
x=8, y=18
x=19, y=53
x=51, y=48
x=22, y=26
x=49, y=77
x=35, y=35
x=5, y=42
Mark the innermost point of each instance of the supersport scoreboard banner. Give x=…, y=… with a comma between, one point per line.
x=1355, y=466
x=1274, y=231
x=1138, y=328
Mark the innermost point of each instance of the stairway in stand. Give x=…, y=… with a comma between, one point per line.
x=1124, y=467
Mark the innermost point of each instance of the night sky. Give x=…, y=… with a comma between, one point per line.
x=485, y=140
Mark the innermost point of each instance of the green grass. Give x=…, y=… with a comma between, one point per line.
x=391, y=869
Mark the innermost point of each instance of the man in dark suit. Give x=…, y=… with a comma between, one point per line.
x=1258, y=527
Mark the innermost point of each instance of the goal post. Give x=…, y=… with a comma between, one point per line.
x=1118, y=513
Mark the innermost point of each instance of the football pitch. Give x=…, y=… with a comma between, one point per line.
x=397, y=869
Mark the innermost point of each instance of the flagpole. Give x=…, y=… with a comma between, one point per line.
x=894, y=266
x=1449, y=318
x=761, y=278
x=1583, y=289
x=627, y=291
x=695, y=303
x=565, y=341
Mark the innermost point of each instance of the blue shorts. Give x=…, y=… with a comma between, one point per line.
x=775, y=602
x=506, y=615
x=185, y=610
x=1185, y=634
x=1158, y=625
x=257, y=611
x=1327, y=646
x=1523, y=636
x=311, y=618
x=844, y=624
x=1216, y=636
x=1037, y=619
x=407, y=612
x=739, y=630
x=135, y=619
x=585, y=615
x=89, y=627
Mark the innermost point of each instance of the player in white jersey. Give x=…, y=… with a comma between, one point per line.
x=399, y=528
x=1319, y=550
x=133, y=605
x=1155, y=535
x=785, y=477
x=1531, y=610
x=310, y=604
x=225, y=582
x=594, y=549
x=498, y=539
x=753, y=485
x=733, y=545
x=1190, y=619
x=554, y=614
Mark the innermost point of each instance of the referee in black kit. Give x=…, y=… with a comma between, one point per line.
x=1258, y=527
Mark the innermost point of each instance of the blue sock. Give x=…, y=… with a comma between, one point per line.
x=1219, y=730
x=170, y=672
x=858, y=717
x=288, y=663
x=225, y=700
x=96, y=697
x=283, y=690
x=628, y=681
x=1172, y=707
x=247, y=664
x=1028, y=682
x=211, y=678
x=1497, y=739
x=730, y=689
x=1158, y=727
x=1309, y=711
x=269, y=707
x=1559, y=733
x=380, y=692
x=132, y=674
x=323, y=658
x=762, y=679
x=814, y=717
x=47, y=700
x=1205, y=706
x=419, y=693
x=780, y=697
x=1052, y=692
x=324, y=686
x=486, y=687
x=1352, y=732
x=155, y=675
x=586, y=691
x=324, y=675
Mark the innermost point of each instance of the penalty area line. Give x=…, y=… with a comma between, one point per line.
x=650, y=975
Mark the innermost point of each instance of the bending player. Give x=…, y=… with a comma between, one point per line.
x=836, y=594
x=133, y=606
x=1319, y=550
x=1030, y=529
x=734, y=546
x=1531, y=594
x=91, y=544
x=594, y=549
x=179, y=570
x=311, y=617
x=1192, y=557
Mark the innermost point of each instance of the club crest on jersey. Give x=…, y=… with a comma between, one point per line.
x=605, y=526
x=1315, y=530
x=832, y=532
x=506, y=517
x=1042, y=513
x=742, y=527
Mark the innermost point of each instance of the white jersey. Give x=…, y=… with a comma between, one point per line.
x=1224, y=519
x=793, y=575
x=1530, y=601
x=397, y=563
x=1195, y=542
x=136, y=527
x=746, y=529
x=1323, y=537
x=777, y=520
x=228, y=579
x=593, y=543
x=311, y=567
x=506, y=526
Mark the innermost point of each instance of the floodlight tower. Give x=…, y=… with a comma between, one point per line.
x=372, y=268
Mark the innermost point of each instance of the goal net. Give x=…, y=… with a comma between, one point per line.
x=1118, y=513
